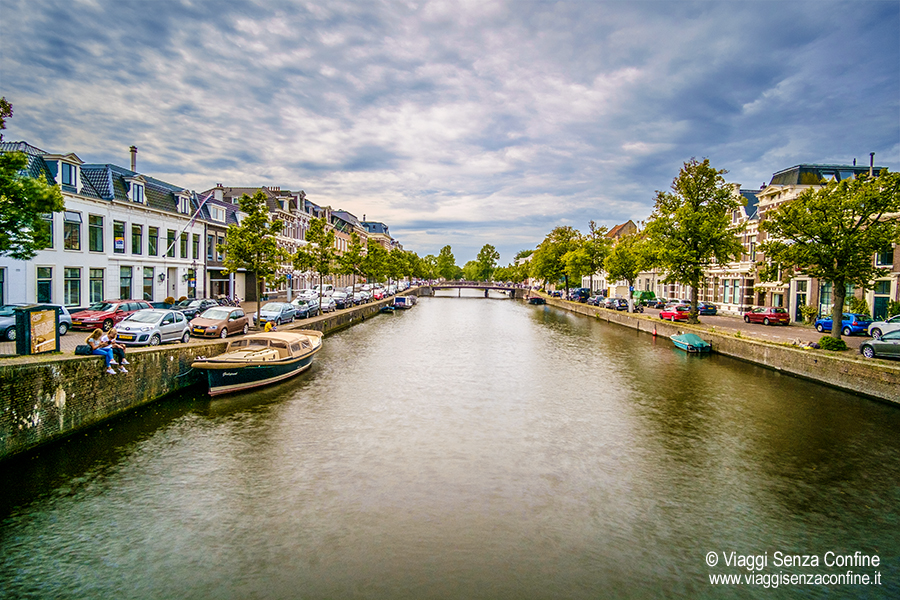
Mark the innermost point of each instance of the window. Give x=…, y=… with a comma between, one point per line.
x=170, y=243
x=195, y=246
x=124, y=283
x=72, y=231
x=220, y=243
x=48, y=223
x=183, y=205
x=727, y=298
x=68, y=174
x=118, y=237
x=44, y=284
x=210, y=246
x=778, y=300
x=72, y=286
x=148, y=284
x=95, y=233
x=137, y=193
x=825, y=299
x=217, y=213
x=752, y=250
x=137, y=239
x=192, y=283
x=2, y=286
x=96, y=285
x=883, y=287
x=184, y=244
x=153, y=241
x=885, y=258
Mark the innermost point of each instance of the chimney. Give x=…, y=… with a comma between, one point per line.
x=219, y=192
x=133, y=158
x=871, y=163
x=854, y=162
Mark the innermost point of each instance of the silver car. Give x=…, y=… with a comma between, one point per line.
x=8, y=320
x=879, y=328
x=153, y=326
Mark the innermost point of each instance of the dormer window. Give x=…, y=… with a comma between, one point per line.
x=69, y=174
x=137, y=193
x=183, y=205
x=217, y=213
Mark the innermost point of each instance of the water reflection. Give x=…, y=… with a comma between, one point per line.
x=468, y=448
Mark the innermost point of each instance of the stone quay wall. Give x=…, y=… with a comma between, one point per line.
x=58, y=395
x=872, y=378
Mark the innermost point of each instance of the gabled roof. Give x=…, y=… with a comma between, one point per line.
x=620, y=230
x=812, y=174
x=376, y=227
x=112, y=182
x=36, y=167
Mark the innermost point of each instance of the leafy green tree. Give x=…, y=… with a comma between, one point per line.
x=319, y=254
x=471, y=270
x=374, y=265
x=487, y=261
x=596, y=248
x=690, y=227
x=446, y=263
x=252, y=244
x=429, y=267
x=547, y=262
x=350, y=262
x=833, y=232
x=23, y=201
x=625, y=261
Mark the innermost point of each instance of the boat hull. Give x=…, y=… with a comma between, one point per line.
x=230, y=378
x=691, y=344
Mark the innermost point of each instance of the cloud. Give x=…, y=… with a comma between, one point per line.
x=456, y=122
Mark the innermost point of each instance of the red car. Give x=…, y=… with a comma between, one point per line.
x=106, y=314
x=679, y=312
x=768, y=316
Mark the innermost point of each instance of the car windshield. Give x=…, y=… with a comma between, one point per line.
x=145, y=316
x=300, y=303
x=216, y=314
x=271, y=307
x=184, y=303
x=102, y=306
x=6, y=311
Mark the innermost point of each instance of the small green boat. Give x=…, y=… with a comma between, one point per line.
x=690, y=342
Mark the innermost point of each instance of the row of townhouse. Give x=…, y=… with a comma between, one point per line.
x=736, y=286
x=127, y=235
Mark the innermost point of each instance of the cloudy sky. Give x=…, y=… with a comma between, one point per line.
x=460, y=123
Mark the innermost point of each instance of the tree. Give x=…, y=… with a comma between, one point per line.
x=471, y=270
x=627, y=258
x=596, y=247
x=690, y=227
x=374, y=265
x=252, y=245
x=23, y=202
x=429, y=267
x=350, y=262
x=318, y=255
x=446, y=264
x=833, y=232
x=547, y=262
x=487, y=261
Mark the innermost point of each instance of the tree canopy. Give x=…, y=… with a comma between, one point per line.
x=446, y=263
x=487, y=261
x=547, y=262
x=691, y=228
x=251, y=244
x=833, y=232
x=626, y=260
x=23, y=202
x=318, y=255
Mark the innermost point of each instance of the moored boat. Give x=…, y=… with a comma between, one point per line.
x=536, y=300
x=404, y=302
x=690, y=342
x=260, y=359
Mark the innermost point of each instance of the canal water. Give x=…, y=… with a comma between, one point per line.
x=469, y=448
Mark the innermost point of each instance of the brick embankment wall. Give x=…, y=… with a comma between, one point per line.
x=875, y=378
x=44, y=401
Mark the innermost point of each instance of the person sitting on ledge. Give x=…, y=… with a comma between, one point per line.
x=98, y=348
x=118, y=349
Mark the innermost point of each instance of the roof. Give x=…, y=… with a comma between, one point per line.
x=112, y=182
x=36, y=167
x=620, y=230
x=752, y=203
x=813, y=174
x=376, y=227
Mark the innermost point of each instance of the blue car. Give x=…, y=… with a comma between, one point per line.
x=850, y=324
x=277, y=312
x=705, y=308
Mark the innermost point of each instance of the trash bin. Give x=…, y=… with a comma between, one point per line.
x=37, y=329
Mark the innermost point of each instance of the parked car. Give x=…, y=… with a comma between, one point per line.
x=8, y=320
x=768, y=315
x=162, y=304
x=579, y=294
x=153, y=326
x=306, y=308
x=327, y=304
x=705, y=308
x=657, y=303
x=342, y=299
x=621, y=303
x=597, y=300
x=679, y=312
x=887, y=345
x=106, y=314
x=851, y=323
x=220, y=321
x=277, y=312
x=878, y=328
x=378, y=294
x=308, y=294
x=192, y=307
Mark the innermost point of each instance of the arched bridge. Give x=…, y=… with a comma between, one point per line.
x=513, y=292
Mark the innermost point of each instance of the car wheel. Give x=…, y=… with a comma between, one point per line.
x=746, y=319
x=876, y=333
x=245, y=329
x=868, y=352
x=846, y=331
x=224, y=333
x=765, y=321
x=672, y=318
x=185, y=337
x=63, y=328
x=11, y=334
x=819, y=328
x=277, y=321
x=107, y=324
x=155, y=339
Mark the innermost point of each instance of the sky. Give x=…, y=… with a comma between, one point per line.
x=456, y=123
